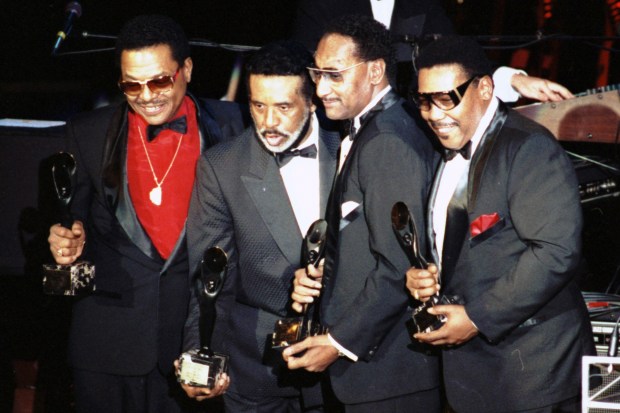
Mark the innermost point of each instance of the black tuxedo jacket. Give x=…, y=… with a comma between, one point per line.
x=517, y=277
x=240, y=204
x=134, y=320
x=365, y=304
x=411, y=18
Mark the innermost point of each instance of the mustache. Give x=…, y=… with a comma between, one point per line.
x=156, y=101
x=443, y=124
x=266, y=131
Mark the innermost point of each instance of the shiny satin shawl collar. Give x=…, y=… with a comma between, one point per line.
x=480, y=157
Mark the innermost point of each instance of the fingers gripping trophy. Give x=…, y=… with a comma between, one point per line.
x=289, y=331
x=406, y=232
x=79, y=277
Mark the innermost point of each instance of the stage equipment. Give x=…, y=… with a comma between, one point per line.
x=74, y=11
x=592, y=116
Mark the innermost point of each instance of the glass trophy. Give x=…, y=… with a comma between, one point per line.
x=203, y=367
x=291, y=330
x=77, y=278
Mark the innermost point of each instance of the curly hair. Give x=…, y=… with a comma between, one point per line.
x=372, y=39
x=153, y=30
x=458, y=50
x=283, y=58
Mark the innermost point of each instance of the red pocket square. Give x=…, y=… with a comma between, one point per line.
x=482, y=223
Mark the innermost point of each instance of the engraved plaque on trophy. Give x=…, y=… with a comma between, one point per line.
x=407, y=235
x=291, y=330
x=77, y=278
x=203, y=367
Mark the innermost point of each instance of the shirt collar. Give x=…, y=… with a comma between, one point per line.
x=372, y=104
x=484, y=123
x=313, y=138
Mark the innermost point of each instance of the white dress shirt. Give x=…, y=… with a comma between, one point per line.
x=302, y=183
x=382, y=11
x=345, y=145
x=450, y=177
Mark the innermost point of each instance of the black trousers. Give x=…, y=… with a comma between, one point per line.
x=108, y=393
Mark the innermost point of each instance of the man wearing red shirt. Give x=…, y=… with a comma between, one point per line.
x=136, y=165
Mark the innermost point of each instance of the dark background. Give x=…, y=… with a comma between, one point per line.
x=35, y=85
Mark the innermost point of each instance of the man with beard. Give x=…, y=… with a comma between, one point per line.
x=135, y=170
x=255, y=198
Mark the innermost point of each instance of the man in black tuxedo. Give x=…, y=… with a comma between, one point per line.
x=505, y=226
x=414, y=22
x=385, y=159
x=255, y=198
x=133, y=189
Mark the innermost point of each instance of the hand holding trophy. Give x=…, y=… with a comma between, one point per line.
x=77, y=278
x=292, y=330
x=203, y=367
x=407, y=235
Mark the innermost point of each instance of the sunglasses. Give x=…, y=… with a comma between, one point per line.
x=332, y=75
x=156, y=85
x=443, y=100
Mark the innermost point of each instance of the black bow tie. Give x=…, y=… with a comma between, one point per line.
x=282, y=158
x=351, y=129
x=465, y=151
x=177, y=125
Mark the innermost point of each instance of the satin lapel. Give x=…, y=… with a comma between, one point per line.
x=114, y=184
x=479, y=160
x=430, y=232
x=210, y=134
x=265, y=186
x=457, y=229
x=388, y=100
x=328, y=160
x=113, y=149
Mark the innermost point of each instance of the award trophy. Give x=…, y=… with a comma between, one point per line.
x=292, y=330
x=407, y=235
x=77, y=278
x=203, y=367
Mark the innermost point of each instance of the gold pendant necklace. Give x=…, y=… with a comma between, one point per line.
x=156, y=193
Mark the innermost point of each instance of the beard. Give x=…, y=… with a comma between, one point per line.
x=291, y=140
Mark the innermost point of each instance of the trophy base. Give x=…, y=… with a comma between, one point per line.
x=289, y=331
x=423, y=322
x=201, y=370
x=74, y=279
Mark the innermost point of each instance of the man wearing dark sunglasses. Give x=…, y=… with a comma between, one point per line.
x=505, y=229
x=385, y=159
x=136, y=166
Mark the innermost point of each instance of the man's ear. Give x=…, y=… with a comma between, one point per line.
x=188, y=65
x=485, y=87
x=377, y=71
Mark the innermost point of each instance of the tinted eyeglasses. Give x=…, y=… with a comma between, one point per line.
x=443, y=100
x=156, y=85
x=333, y=75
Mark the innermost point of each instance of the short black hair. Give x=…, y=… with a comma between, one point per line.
x=283, y=58
x=153, y=30
x=459, y=50
x=372, y=39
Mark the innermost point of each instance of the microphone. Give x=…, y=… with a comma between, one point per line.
x=73, y=10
